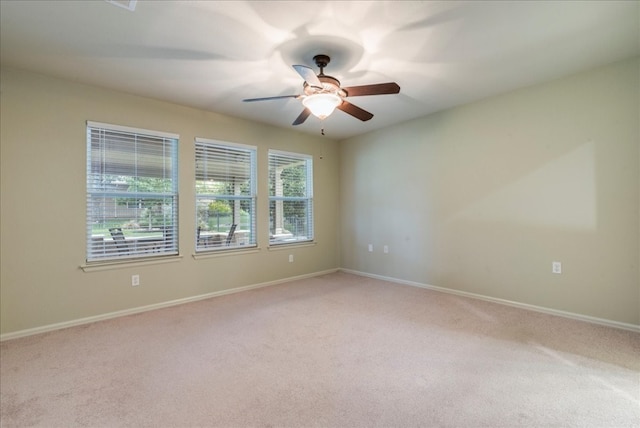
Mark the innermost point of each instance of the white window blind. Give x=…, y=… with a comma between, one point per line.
x=290, y=197
x=132, y=192
x=225, y=195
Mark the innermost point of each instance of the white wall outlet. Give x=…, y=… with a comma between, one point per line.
x=371, y=248
x=290, y=258
x=385, y=249
x=135, y=280
x=556, y=267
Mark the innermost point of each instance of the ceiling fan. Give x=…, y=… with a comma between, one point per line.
x=322, y=93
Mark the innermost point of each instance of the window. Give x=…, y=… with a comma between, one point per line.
x=132, y=193
x=290, y=197
x=225, y=195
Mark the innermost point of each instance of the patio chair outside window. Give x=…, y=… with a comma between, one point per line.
x=118, y=239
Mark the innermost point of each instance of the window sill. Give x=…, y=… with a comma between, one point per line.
x=289, y=245
x=119, y=264
x=225, y=253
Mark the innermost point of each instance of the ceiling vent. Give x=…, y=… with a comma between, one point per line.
x=127, y=4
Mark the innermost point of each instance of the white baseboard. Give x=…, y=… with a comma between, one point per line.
x=137, y=310
x=571, y=315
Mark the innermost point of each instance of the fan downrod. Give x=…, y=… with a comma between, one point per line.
x=322, y=61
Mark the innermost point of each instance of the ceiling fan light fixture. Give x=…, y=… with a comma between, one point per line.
x=322, y=105
x=322, y=93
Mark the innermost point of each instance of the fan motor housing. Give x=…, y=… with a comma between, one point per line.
x=330, y=85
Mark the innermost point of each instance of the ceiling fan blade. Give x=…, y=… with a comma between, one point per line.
x=355, y=111
x=308, y=75
x=249, y=100
x=303, y=116
x=377, y=89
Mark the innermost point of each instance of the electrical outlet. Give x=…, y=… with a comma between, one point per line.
x=135, y=280
x=385, y=249
x=290, y=258
x=371, y=248
x=556, y=267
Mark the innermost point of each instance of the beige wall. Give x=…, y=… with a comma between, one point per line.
x=482, y=198
x=43, y=145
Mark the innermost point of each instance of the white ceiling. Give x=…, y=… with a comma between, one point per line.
x=212, y=54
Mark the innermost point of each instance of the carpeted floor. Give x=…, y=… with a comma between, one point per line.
x=333, y=351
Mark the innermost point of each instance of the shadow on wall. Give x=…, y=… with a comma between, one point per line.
x=561, y=193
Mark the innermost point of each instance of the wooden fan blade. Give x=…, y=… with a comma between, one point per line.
x=249, y=100
x=303, y=116
x=355, y=111
x=308, y=75
x=377, y=89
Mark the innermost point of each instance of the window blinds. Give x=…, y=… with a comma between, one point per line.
x=225, y=195
x=132, y=192
x=290, y=197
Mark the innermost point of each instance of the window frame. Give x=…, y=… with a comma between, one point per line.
x=244, y=234
x=278, y=237
x=153, y=154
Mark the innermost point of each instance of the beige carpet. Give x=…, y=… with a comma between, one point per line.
x=333, y=351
